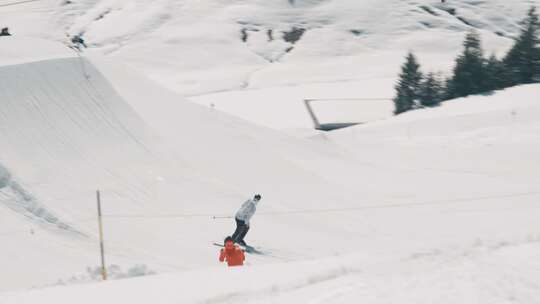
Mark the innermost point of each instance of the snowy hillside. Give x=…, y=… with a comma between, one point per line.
x=67, y=132
x=436, y=205
x=261, y=58
x=198, y=47
x=494, y=273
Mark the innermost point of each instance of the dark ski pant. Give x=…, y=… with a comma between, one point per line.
x=241, y=230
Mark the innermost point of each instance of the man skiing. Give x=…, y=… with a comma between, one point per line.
x=242, y=217
x=5, y=32
x=77, y=42
x=231, y=253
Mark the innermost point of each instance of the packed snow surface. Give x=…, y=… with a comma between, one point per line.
x=436, y=205
x=433, y=206
x=424, y=199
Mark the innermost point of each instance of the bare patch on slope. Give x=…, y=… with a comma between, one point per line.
x=269, y=43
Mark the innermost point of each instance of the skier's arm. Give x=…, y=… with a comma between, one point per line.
x=250, y=211
x=242, y=255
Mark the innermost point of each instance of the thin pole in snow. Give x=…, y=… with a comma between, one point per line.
x=221, y=217
x=316, y=123
x=101, y=245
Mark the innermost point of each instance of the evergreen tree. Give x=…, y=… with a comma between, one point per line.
x=407, y=88
x=448, y=89
x=497, y=75
x=431, y=91
x=469, y=71
x=523, y=59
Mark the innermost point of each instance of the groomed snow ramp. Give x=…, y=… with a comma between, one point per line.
x=62, y=121
x=70, y=126
x=65, y=132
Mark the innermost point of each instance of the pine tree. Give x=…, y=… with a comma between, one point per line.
x=431, y=91
x=497, y=75
x=448, y=89
x=523, y=59
x=469, y=71
x=407, y=88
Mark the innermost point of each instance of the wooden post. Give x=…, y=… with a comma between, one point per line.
x=101, y=245
x=316, y=123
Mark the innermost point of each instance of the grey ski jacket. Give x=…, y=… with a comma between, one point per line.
x=247, y=211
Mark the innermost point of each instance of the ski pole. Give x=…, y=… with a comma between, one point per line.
x=221, y=217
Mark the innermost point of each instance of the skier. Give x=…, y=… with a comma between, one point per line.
x=242, y=217
x=5, y=32
x=78, y=41
x=231, y=253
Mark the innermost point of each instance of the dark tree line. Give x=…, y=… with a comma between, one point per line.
x=473, y=73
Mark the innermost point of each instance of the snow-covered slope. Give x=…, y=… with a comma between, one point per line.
x=199, y=47
x=431, y=206
x=68, y=129
x=196, y=47
x=280, y=52
x=444, y=210
x=494, y=273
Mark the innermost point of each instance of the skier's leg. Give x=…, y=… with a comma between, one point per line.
x=243, y=235
x=239, y=226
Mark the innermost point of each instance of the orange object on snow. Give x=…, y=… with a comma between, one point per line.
x=232, y=254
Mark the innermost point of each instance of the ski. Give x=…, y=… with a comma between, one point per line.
x=247, y=249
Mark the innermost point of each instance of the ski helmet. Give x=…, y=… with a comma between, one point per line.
x=257, y=197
